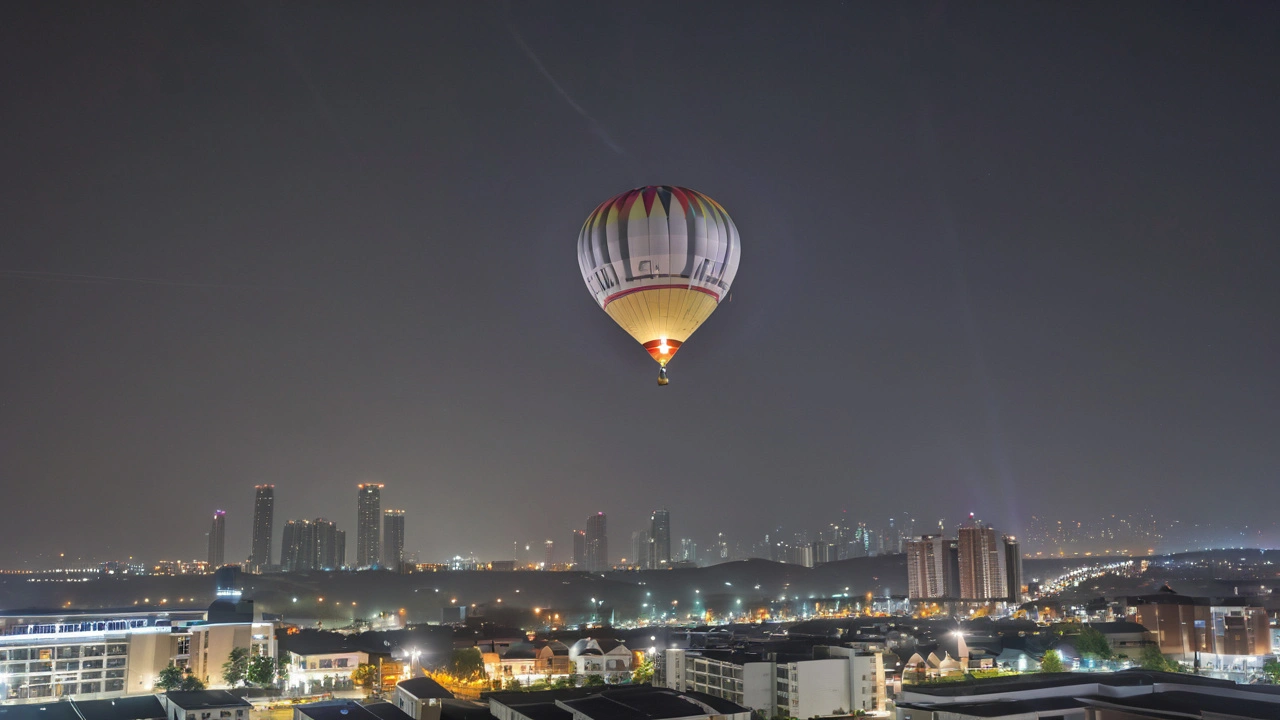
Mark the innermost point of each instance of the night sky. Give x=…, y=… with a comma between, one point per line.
x=1003, y=257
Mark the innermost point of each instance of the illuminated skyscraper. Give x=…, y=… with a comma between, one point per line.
x=368, y=525
x=597, y=543
x=1013, y=568
x=218, y=540
x=579, y=549
x=981, y=564
x=549, y=556
x=312, y=545
x=660, y=533
x=264, y=508
x=926, y=567
x=393, y=539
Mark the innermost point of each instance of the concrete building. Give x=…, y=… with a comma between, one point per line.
x=47, y=656
x=579, y=549
x=601, y=656
x=597, y=543
x=320, y=661
x=349, y=710
x=548, y=554
x=982, y=574
x=642, y=549
x=368, y=525
x=834, y=680
x=393, y=539
x=1013, y=569
x=632, y=703
x=660, y=533
x=927, y=568
x=218, y=539
x=205, y=705
x=421, y=698
x=1228, y=636
x=312, y=545
x=264, y=513
x=1124, y=695
x=228, y=625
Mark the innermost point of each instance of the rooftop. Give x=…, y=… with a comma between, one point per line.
x=145, y=707
x=1191, y=704
x=199, y=699
x=1124, y=678
x=43, y=711
x=424, y=687
x=1004, y=708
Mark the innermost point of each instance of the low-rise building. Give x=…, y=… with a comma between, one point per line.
x=229, y=625
x=641, y=701
x=601, y=656
x=1222, y=635
x=830, y=681
x=421, y=698
x=88, y=655
x=205, y=705
x=1086, y=696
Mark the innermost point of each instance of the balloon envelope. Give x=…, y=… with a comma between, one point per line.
x=659, y=259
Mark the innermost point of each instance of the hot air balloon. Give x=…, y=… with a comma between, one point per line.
x=659, y=259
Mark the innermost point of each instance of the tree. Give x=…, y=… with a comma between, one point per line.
x=643, y=673
x=467, y=664
x=594, y=680
x=1152, y=659
x=1272, y=670
x=236, y=669
x=282, y=672
x=365, y=675
x=1052, y=663
x=1092, y=642
x=170, y=678
x=514, y=685
x=262, y=671
x=190, y=682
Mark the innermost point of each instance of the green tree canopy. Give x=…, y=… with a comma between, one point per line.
x=1152, y=659
x=365, y=675
x=262, y=671
x=170, y=678
x=643, y=673
x=236, y=669
x=467, y=664
x=1091, y=641
x=594, y=681
x=1052, y=663
x=1272, y=670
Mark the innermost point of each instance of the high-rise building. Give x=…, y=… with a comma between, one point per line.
x=927, y=567
x=689, y=550
x=1013, y=569
x=312, y=545
x=660, y=533
x=981, y=564
x=597, y=550
x=642, y=547
x=579, y=549
x=393, y=539
x=368, y=525
x=548, y=558
x=218, y=540
x=264, y=510
x=951, y=582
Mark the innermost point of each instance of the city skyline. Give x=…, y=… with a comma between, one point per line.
x=1012, y=258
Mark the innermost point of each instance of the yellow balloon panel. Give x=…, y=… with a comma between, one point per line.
x=661, y=314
